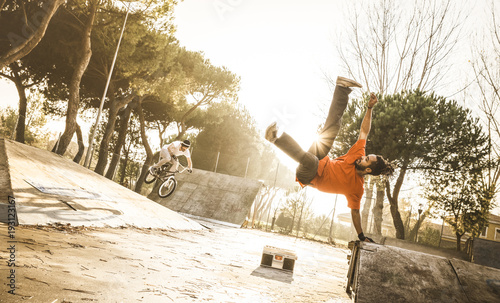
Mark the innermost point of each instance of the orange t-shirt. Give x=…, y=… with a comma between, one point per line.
x=338, y=176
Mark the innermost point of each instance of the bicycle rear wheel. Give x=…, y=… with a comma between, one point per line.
x=149, y=178
x=167, y=188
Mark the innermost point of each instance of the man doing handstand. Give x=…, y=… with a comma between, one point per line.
x=343, y=175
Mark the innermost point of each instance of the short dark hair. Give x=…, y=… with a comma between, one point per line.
x=381, y=167
x=186, y=143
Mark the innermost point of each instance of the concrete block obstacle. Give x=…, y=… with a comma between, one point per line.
x=484, y=252
x=212, y=195
x=379, y=273
x=48, y=188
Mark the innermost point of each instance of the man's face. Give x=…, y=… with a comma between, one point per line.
x=183, y=148
x=363, y=162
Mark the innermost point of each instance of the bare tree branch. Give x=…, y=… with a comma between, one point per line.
x=400, y=48
x=19, y=51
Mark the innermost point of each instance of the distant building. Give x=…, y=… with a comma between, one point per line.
x=490, y=232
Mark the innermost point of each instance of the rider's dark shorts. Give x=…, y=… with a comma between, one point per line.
x=307, y=169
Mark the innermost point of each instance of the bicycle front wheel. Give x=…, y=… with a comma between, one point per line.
x=167, y=188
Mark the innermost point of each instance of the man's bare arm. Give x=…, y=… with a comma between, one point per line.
x=356, y=220
x=367, y=120
x=171, y=149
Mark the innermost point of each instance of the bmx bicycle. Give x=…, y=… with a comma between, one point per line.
x=167, y=178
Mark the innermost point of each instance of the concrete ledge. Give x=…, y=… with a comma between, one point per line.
x=211, y=195
x=379, y=273
x=485, y=252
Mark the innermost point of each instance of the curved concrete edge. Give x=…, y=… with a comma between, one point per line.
x=114, y=205
x=6, y=194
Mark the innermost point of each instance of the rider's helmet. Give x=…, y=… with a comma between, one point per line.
x=186, y=143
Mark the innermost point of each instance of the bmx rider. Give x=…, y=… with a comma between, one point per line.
x=170, y=152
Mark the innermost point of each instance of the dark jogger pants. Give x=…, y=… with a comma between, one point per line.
x=308, y=161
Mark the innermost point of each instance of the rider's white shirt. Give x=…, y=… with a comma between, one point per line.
x=177, y=149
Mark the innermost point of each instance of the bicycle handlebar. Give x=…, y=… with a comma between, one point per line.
x=183, y=169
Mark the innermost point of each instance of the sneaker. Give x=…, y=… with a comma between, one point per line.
x=153, y=171
x=347, y=82
x=271, y=133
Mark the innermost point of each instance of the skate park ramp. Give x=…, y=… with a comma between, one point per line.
x=49, y=188
x=379, y=273
x=212, y=195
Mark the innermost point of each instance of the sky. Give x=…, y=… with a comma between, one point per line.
x=281, y=49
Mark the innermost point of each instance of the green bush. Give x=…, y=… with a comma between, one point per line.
x=429, y=236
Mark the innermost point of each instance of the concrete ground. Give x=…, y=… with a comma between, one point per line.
x=60, y=263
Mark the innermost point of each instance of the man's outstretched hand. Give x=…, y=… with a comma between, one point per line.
x=373, y=100
x=368, y=239
x=363, y=238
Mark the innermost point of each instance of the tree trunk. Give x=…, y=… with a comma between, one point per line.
x=416, y=228
x=181, y=133
x=459, y=241
x=183, y=128
x=162, y=128
x=265, y=211
x=257, y=201
x=378, y=208
x=300, y=217
x=267, y=205
x=102, y=160
x=76, y=78
x=21, y=46
x=293, y=218
x=122, y=135
x=365, y=214
x=2, y=3
x=124, y=164
x=23, y=103
x=149, y=152
x=114, y=108
x=393, y=200
x=81, y=145
x=264, y=198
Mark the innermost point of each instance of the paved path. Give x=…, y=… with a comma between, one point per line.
x=80, y=264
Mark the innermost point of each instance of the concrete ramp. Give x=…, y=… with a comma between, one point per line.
x=212, y=195
x=49, y=188
x=379, y=273
x=480, y=283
